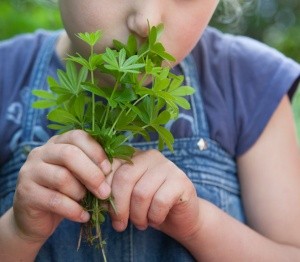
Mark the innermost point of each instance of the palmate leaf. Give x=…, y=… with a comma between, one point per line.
x=117, y=61
x=90, y=38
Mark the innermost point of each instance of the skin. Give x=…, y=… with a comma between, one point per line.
x=52, y=180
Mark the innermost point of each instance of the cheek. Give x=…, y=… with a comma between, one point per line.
x=181, y=45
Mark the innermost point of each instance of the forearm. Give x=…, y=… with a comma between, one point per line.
x=222, y=238
x=12, y=246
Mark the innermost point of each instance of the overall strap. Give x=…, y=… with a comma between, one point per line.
x=37, y=81
x=188, y=66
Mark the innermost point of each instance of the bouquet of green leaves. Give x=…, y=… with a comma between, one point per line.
x=115, y=114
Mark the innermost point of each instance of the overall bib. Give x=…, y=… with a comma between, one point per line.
x=208, y=166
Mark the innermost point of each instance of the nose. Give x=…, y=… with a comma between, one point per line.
x=145, y=12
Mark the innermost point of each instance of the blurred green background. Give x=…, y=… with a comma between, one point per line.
x=274, y=22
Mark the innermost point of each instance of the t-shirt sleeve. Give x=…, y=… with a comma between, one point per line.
x=260, y=77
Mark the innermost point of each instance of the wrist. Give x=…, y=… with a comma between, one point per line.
x=19, y=234
x=15, y=246
x=200, y=237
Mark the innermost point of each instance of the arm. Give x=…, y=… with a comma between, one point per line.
x=14, y=247
x=158, y=194
x=270, y=179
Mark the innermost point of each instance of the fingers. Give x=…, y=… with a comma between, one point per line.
x=79, y=164
x=123, y=182
x=81, y=155
x=52, y=201
x=88, y=145
x=143, y=195
x=145, y=192
x=61, y=179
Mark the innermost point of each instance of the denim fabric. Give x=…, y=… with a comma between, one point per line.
x=210, y=168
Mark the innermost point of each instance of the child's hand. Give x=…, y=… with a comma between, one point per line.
x=53, y=180
x=153, y=191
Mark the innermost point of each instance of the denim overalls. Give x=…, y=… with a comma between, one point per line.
x=210, y=168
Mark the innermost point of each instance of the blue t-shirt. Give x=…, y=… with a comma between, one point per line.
x=242, y=82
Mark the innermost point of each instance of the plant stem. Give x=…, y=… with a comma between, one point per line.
x=116, y=121
x=108, y=106
x=93, y=95
x=98, y=228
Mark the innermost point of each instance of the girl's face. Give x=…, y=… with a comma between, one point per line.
x=184, y=21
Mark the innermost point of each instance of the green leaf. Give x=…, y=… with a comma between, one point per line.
x=61, y=116
x=90, y=38
x=79, y=60
x=123, y=152
x=152, y=36
x=126, y=95
x=56, y=126
x=182, y=102
x=162, y=119
x=110, y=57
x=44, y=94
x=165, y=135
x=79, y=106
x=51, y=81
x=183, y=91
x=122, y=56
x=94, y=89
x=125, y=119
x=95, y=60
x=41, y=104
x=131, y=45
x=59, y=90
x=65, y=81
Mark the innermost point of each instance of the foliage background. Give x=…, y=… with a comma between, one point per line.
x=274, y=22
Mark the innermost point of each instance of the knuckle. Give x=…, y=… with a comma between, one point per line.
x=154, y=153
x=22, y=191
x=52, y=139
x=139, y=195
x=24, y=170
x=123, y=175
x=160, y=204
x=34, y=153
x=77, y=134
x=62, y=178
x=80, y=194
x=68, y=152
x=157, y=211
x=54, y=201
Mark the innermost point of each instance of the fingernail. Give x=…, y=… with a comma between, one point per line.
x=141, y=227
x=119, y=225
x=104, y=190
x=105, y=167
x=85, y=216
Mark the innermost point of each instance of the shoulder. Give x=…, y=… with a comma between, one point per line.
x=240, y=50
x=17, y=56
x=242, y=81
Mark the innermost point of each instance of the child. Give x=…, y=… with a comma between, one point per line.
x=229, y=192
